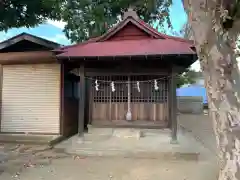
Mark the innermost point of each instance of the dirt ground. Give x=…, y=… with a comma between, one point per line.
x=58, y=166
x=25, y=162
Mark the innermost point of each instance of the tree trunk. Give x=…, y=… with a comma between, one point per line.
x=217, y=58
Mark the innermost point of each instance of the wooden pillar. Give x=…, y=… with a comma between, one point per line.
x=62, y=89
x=173, y=108
x=170, y=101
x=87, y=101
x=81, y=107
x=1, y=86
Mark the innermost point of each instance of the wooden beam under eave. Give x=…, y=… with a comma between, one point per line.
x=32, y=57
x=81, y=107
x=104, y=72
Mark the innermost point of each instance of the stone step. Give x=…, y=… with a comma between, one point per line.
x=99, y=131
x=134, y=143
x=115, y=132
x=94, y=137
x=128, y=133
x=187, y=156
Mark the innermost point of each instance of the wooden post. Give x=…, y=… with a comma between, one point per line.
x=170, y=101
x=81, y=107
x=1, y=87
x=61, y=106
x=173, y=108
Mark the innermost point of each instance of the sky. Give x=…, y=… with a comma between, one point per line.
x=53, y=30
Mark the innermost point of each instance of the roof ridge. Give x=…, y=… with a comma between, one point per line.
x=28, y=34
x=162, y=34
x=28, y=37
x=147, y=26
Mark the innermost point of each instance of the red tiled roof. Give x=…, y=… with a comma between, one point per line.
x=131, y=48
x=159, y=44
x=164, y=35
x=64, y=48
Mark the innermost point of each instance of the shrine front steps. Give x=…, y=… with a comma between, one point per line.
x=134, y=143
x=163, y=156
x=115, y=132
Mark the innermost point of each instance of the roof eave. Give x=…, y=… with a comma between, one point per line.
x=193, y=55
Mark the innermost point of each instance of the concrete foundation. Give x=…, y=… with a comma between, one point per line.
x=140, y=143
x=30, y=139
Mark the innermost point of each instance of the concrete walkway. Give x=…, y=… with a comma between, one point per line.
x=201, y=127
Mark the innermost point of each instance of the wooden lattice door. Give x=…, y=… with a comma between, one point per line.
x=146, y=103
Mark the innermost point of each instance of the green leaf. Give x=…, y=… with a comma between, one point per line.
x=90, y=18
x=19, y=13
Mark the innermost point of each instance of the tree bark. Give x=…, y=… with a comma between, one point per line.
x=218, y=61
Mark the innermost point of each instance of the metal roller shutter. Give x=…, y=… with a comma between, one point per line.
x=31, y=98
